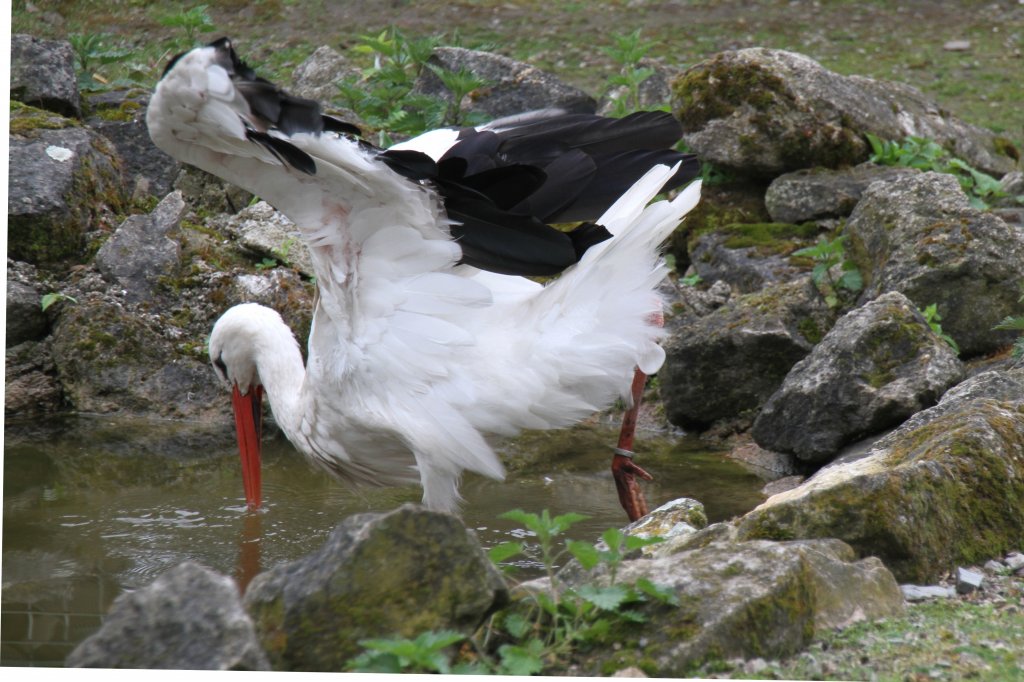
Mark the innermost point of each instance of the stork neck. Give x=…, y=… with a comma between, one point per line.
x=282, y=374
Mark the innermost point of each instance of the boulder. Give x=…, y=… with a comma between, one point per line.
x=750, y=256
x=318, y=75
x=31, y=388
x=742, y=599
x=764, y=112
x=25, y=318
x=919, y=235
x=878, y=365
x=731, y=361
x=823, y=193
x=67, y=177
x=140, y=251
x=113, y=358
x=378, y=575
x=43, y=74
x=945, y=488
x=512, y=87
x=190, y=618
x=262, y=230
x=120, y=117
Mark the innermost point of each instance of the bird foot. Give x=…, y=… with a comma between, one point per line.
x=631, y=497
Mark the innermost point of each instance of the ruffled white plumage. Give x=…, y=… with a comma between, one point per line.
x=412, y=358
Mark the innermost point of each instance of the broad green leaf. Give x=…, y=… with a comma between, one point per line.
x=666, y=595
x=522, y=660
x=517, y=625
x=585, y=553
x=505, y=551
x=605, y=598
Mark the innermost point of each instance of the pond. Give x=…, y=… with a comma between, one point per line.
x=96, y=506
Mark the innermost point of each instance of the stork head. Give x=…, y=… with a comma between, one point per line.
x=249, y=339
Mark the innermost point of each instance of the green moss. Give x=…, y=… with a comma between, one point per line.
x=810, y=330
x=27, y=120
x=715, y=89
x=126, y=111
x=1006, y=147
x=768, y=238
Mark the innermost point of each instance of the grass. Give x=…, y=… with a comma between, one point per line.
x=876, y=39
x=939, y=640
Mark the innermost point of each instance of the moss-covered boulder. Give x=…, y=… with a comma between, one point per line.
x=728, y=363
x=378, y=575
x=742, y=599
x=751, y=256
x=919, y=235
x=946, y=488
x=877, y=366
x=764, y=112
x=64, y=179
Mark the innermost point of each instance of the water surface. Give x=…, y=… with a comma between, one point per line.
x=95, y=506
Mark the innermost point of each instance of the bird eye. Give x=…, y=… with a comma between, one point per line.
x=220, y=367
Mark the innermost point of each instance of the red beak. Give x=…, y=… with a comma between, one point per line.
x=249, y=427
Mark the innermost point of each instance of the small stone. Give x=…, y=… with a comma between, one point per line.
x=1015, y=560
x=922, y=592
x=967, y=580
x=629, y=672
x=993, y=566
x=957, y=46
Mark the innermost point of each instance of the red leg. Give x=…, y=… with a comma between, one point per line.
x=624, y=469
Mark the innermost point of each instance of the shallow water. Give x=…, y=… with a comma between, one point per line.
x=94, y=507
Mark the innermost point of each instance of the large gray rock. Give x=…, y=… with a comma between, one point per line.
x=731, y=361
x=512, y=87
x=67, y=176
x=919, y=235
x=822, y=193
x=141, y=250
x=878, y=365
x=743, y=599
x=189, y=618
x=378, y=575
x=43, y=74
x=750, y=257
x=765, y=112
x=944, y=489
x=318, y=75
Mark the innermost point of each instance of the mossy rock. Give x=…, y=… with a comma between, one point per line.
x=945, y=489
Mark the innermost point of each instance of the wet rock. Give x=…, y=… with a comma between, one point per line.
x=956, y=466
x=67, y=176
x=511, y=87
x=913, y=593
x=31, y=388
x=745, y=599
x=820, y=193
x=141, y=250
x=25, y=318
x=43, y=74
x=731, y=361
x=968, y=581
x=919, y=235
x=399, y=573
x=120, y=116
x=669, y=521
x=878, y=365
x=765, y=112
x=190, y=618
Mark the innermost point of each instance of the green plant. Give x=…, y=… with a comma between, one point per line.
x=91, y=52
x=927, y=155
x=1015, y=323
x=53, y=297
x=193, y=21
x=384, y=93
x=827, y=254
x=425, y=654
x=932, y=317
x=544, y=627
x=627, y=52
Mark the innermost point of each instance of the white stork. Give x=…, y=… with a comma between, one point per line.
x=426, y=334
